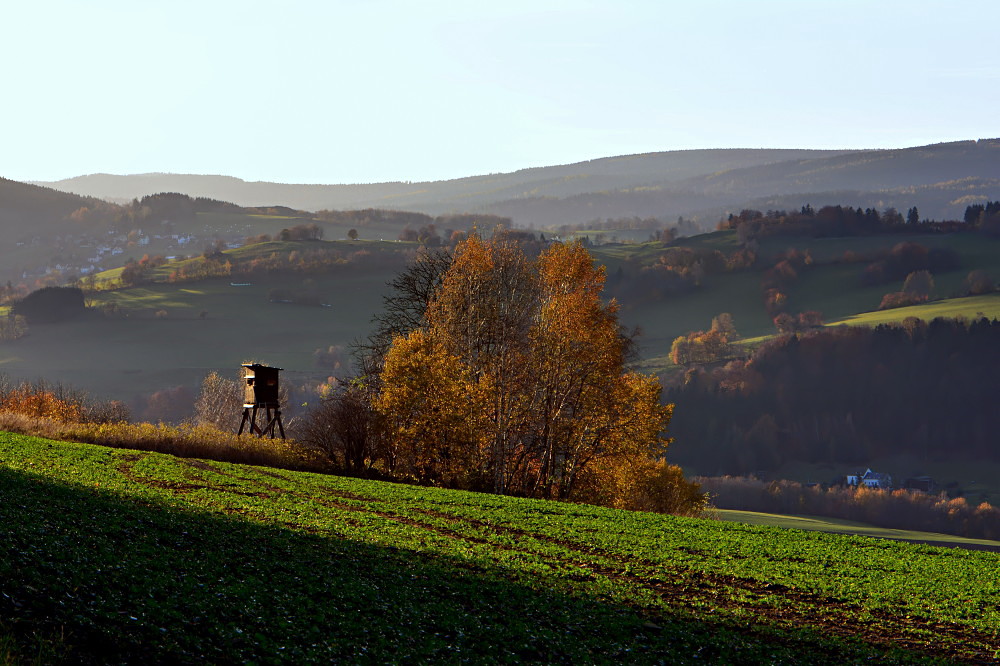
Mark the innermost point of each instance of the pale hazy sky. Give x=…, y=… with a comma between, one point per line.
x=341, y=91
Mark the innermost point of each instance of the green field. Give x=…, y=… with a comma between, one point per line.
x=244, y=225
x=838, y=526
x=137, y=353
x=970, y=307
x=110, y=556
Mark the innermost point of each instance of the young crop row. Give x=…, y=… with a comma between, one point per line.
x=131, y=555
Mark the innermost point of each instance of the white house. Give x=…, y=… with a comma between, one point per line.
x=870, y=479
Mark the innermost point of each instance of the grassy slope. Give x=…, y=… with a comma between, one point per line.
x=662, y=321
x=971, y=307
x=242, y=224
x=117, y=358
x=130, y=555
x=833, y=289
x=838, y=526
x=120, y=358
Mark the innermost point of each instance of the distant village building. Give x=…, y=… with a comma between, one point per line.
x=870, y=479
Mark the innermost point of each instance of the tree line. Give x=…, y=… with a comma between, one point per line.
x=835, y=221
x=897, y=509
x=845, y=396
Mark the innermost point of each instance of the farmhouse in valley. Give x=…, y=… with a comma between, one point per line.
x=870, y=479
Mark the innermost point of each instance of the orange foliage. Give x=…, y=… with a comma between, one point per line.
x=706, y=346
x=40, y=404
x=426, y=399
x=517, y=382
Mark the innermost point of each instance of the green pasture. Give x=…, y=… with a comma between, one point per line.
x=836, y=289
x=263, y=250
x=601, y=237
x=724, y=241
x=643, y=251
x=118, y=556
x=969, y=307
x=241, y=225
x=838, y=526
x=662, y=321
x=833, y=289
x=137, y=353
x=614, y=256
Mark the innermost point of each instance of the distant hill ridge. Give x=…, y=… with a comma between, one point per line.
x=941, y=179
x=437, y=197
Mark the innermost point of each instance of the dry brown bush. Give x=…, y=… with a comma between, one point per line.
x=61, y=414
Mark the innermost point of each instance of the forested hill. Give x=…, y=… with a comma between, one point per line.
x=28, y=208
x=940, y=179
x=867, y=171
x=462, y=194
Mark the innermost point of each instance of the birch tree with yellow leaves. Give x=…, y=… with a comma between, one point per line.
x=517, y=383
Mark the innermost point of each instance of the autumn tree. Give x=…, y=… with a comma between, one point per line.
x=482, y=315
x=724, y=324
x=708, y=346
x=219, y=403
x=403, y=309
x=515, y=381
x=978, y=282
x=426, y=400
x=919, y=283
x=346, y=428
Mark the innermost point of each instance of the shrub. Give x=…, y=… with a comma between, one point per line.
x=900, y=299
x=346, y=430
x=978, y=282
x=919, y=283
x=662, y=488
x=40, y=404
x=51, y=304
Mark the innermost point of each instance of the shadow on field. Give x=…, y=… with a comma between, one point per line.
x=123, y=580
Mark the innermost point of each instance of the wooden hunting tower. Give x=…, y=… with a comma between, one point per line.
x=260, y=391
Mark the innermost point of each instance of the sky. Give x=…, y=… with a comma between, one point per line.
x=357, y=91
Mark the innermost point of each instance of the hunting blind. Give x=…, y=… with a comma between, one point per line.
x=260, y=392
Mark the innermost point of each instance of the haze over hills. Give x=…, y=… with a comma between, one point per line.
x=941, y=179
x=68, y=227
x=434, y=198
